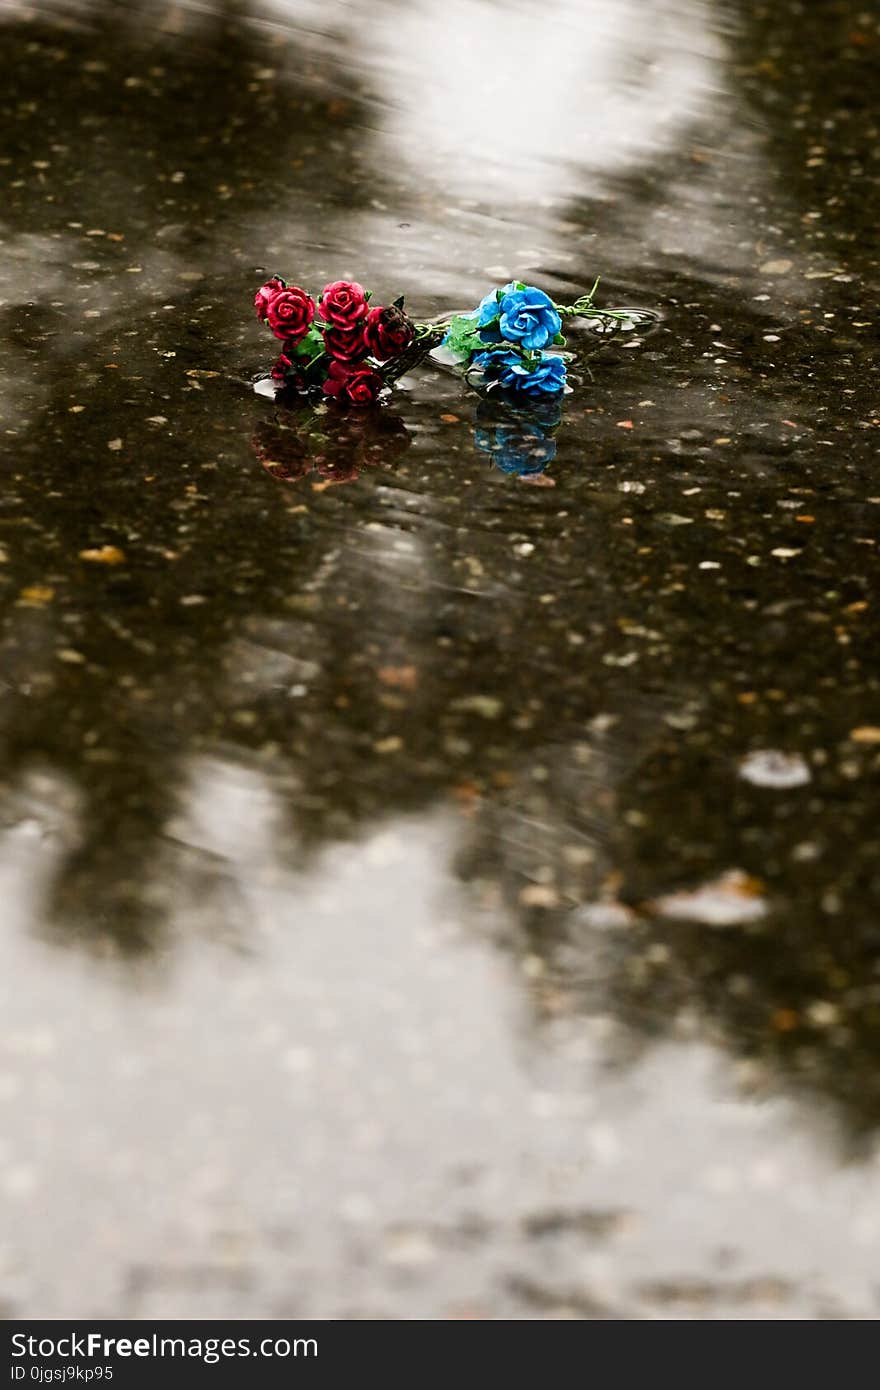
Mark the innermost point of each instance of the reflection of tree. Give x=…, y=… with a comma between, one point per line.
x=154, y=149
x=555, y=660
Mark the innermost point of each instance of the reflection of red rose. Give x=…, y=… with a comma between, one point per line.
x=266, y=293
x=298, y=441
x=290, y=313
x=384, y=438
x=342, y=471
x=345, y=344
x=354, y=382
x=287, y=470
x=388, y=332
x=282, y=453
x=343, y=303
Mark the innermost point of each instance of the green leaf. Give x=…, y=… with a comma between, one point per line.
x=463, y=336
x=311, y=346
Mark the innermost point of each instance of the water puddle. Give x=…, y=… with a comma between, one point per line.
x=489, y=848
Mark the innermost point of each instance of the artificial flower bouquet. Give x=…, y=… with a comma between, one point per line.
x=512, y=341
x=340, y=346
x=343, y=347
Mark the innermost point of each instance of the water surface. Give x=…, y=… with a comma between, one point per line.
x=433, y=889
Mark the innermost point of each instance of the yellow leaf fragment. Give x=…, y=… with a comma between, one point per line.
x=104, y=555
x=37, y=595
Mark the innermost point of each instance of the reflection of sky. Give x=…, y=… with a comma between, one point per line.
x=492, y=118
x=497, y=113
x=479, y=133
x=475, y=91
x=308, y=1117
x=513, y=102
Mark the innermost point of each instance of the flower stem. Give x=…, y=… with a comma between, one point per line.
x=427, y=336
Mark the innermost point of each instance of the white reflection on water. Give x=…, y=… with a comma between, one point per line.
x=355, y=1116
x=290, y=1128
x=491, y=120
x=513, y=102
x=483, y=127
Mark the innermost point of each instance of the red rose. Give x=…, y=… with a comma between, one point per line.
x=290, y=313
x=266, y=293
x=343, y=303
x=280, y=367
x=353, y=382
x=388, y=332
x=345, y=344
x=286, y=373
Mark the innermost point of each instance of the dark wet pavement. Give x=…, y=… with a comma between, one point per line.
x=428, y=889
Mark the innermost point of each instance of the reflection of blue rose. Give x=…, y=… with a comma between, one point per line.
x=521, y=449
x=545, y=411
x=525, y=316
x=532, y=380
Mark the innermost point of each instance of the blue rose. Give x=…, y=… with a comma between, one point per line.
x=524, y=315
x=530, y=380
x=528, y=317
x=489, y=308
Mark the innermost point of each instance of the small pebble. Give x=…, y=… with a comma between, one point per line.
x=770, y=768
